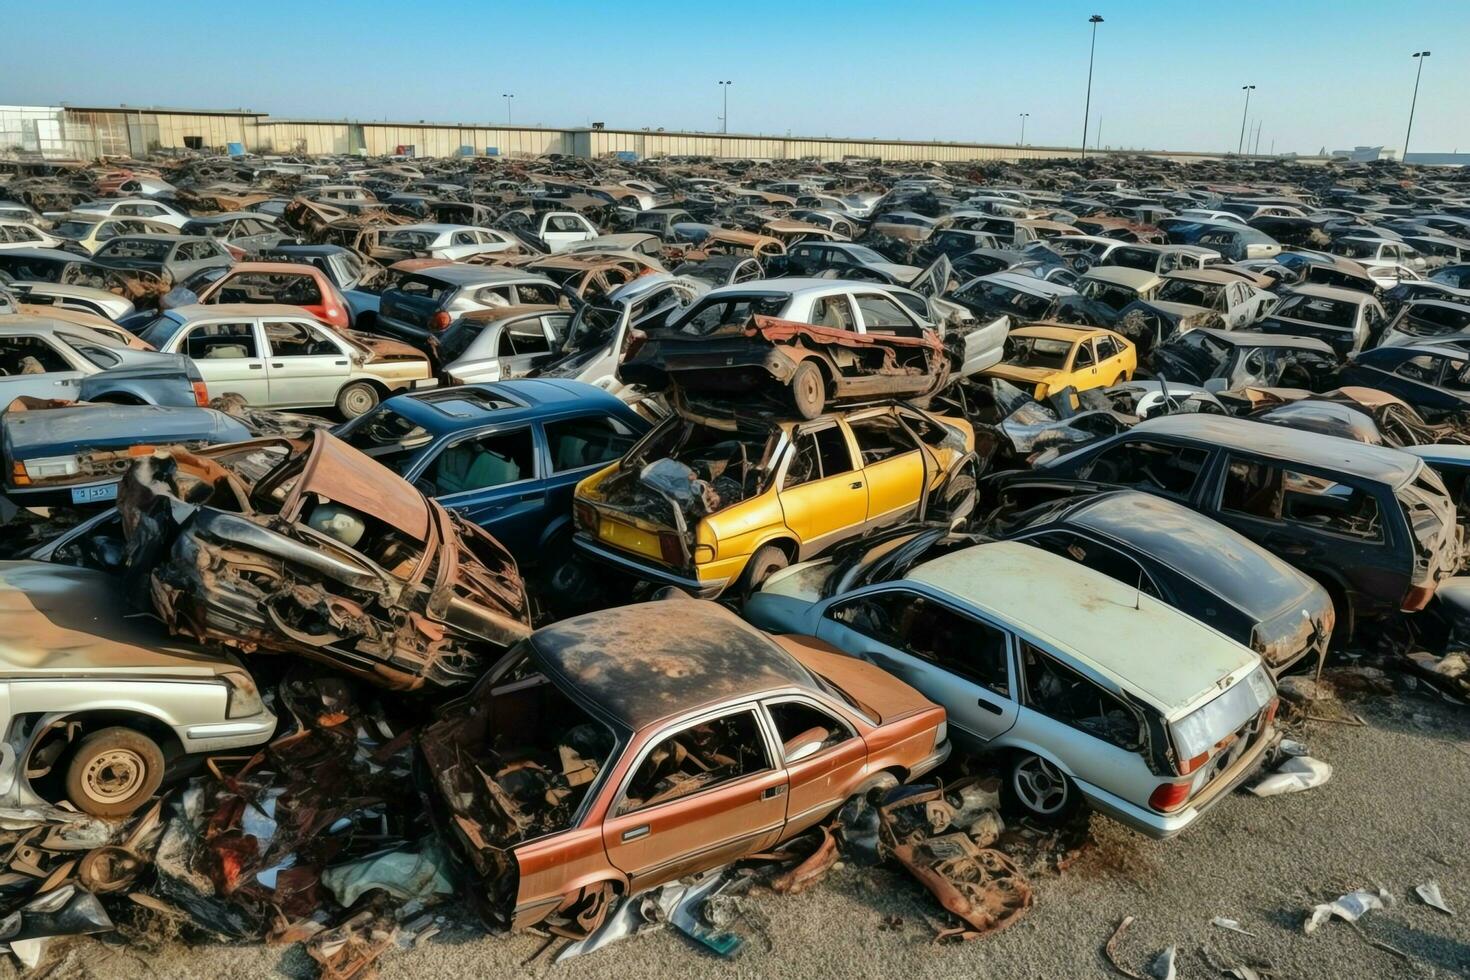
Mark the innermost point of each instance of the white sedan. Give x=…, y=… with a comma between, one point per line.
x=277, y=356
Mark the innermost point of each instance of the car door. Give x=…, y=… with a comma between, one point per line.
x=460, y=245
x=893, y=466
x=524, y=345
x=559, y=229
x=700, y=794
x=37, y=367
x=230, y=358
x=577, y=447
x=824, y=758
x=305, y=367
x=954, y=657
x=823, y=495
x=492, y=477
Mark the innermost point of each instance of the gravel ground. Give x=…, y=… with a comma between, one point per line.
x=1391, y=816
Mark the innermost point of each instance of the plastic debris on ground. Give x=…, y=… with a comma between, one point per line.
x=1230, y=924
x=1297, y=773
x=1350, y=908
x=1430, y=895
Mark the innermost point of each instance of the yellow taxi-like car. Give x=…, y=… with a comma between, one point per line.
x=711, y=503
x=1048, y=357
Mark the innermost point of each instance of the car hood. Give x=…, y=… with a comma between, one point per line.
x=384, y=348
x=1175, y=311
x=73, y=428
x=874, y=689
x=1017, y=372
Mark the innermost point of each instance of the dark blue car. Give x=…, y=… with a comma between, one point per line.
x=507, y=456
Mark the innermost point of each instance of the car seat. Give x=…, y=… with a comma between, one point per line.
x=472, y=467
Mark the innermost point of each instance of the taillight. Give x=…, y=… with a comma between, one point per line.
x=201, y=394
x=439, y=321
x=18, y=475
x=671, y=547
x=586, y=516
x=1185, y=768
x=1168, y=796
x=1417, y=598
x=1269, y=715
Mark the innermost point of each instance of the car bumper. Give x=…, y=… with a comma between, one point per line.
x=101, y=493
x=931, y=761
x=234, y=734
x=647, y=570
x=1162, y=826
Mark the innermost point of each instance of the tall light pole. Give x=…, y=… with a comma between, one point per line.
x=1247, y=89
x=507, y=96
x=725, y=119
x=1094, y=20
x=1419, y=56
x=1023, y=116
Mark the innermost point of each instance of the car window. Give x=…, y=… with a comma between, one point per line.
x=292, y=338
x=1456, y=376
x=1276, y=493
x=1424, y=369
x=932, y=632
x=216, y=341
x=482, y=463
x=880, y=438
x=587, y=441
x=832, y=311
x=563, y=223
x=1084, y=357
x=882, y=313
x=800, y=725
x=1107, y=347
x=1095, y=555
x=700, y=757
x=1066, y=696
x=292, y=289
x=1155, y=467
x=819, y=453
x=539, y=293
x=388, y=437
x=464, y=238
x=29, y=355
x=524, y=337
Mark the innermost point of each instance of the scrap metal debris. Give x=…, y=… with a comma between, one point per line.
x=1430, y=895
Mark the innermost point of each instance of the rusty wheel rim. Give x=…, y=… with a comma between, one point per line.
x=113, y=776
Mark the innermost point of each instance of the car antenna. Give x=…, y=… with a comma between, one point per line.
x=1138, y=590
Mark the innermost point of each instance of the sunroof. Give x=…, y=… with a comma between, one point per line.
x=468, y=402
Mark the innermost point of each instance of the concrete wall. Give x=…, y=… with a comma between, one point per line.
x=85, y=132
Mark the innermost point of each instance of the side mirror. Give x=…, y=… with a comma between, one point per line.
x=804, y=750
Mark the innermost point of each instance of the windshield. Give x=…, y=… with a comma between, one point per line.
x=1190, y=293
x=1039, y=352
x=73, y=230
x=719, y=311
x=592, y=328
x=388, y=438
x=134, y=248
x=1005, y=299
x=1199, y=350
x=1109, y=294
x=1357, y=250
x=1316, y=309
x=407, y=239
x=863, y=254
x=1133, y=258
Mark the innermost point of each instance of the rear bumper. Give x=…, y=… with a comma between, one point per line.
x=1162, y=826
x=647, y=570
x=235, y=734
x=99, y=493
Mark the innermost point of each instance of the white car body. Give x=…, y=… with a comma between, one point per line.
x=558, y=229
x=131, y=207
x=445, y=241
x=15, y=233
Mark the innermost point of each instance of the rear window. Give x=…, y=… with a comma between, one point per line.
x=422, y=286
x=160, y=331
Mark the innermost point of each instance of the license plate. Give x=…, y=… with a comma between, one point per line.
x=92, y=495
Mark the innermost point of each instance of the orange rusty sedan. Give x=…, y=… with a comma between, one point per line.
x=614, y=752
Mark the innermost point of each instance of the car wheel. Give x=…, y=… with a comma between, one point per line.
x=880, y=783
x=357, y=398
x=767, y=560
x=1040, y=788
x=808, y=390
x=113, y=772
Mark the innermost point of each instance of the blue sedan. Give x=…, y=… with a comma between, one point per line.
x=507, y=456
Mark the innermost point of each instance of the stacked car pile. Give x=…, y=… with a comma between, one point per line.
x=1074, y=497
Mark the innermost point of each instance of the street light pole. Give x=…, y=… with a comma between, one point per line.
x=1094, y=20
x=1419, y=56
x=1023, y=127
x=725, y=119
x=507, y=96
x=1240, y=145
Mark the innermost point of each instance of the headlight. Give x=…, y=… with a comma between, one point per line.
x=941, y=734
x=244, y=698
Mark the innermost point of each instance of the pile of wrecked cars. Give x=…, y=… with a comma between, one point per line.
x=593, y=543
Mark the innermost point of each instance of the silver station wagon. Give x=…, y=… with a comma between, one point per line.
x=1093, y=690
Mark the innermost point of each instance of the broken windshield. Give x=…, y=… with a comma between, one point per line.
x=1038, y=352
x=1190, y=293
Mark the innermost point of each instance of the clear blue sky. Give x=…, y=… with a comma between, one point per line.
x=1331, y=73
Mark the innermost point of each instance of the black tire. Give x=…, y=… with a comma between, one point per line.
x=808, y=390
x=113, y=772
x=767, y=560
x=1040, y=789
x=357, y=398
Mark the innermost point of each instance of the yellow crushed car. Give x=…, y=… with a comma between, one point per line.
x=1047, y=357
x=709, y=503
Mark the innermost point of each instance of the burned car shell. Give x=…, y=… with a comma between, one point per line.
x=1037, y=656
x=1243, y=357
x=1338, y=510
x=646, y=674
x=424, y=598
x=74, y=652
x=1194, y=564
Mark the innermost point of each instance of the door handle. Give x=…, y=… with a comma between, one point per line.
x=989, y=706
x=277, y=364
x=855, y=486
x=771, y=792
x=529, y=496
x=255, y=367
x=635, y=833
x=339, y=363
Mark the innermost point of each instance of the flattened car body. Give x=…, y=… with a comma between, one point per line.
x=307, y=547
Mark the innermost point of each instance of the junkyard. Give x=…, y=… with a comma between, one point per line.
x=596, y=553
